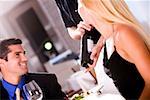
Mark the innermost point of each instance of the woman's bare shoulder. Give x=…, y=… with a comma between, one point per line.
x=123, y=28
x=126, y=32
x=129, y=40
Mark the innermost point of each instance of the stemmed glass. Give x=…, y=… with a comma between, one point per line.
x=33, y=91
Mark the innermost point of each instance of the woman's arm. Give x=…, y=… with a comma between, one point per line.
x=95, y=52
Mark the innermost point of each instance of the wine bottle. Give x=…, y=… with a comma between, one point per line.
x=89, y=39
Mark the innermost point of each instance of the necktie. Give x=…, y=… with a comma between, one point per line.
x=18, y=96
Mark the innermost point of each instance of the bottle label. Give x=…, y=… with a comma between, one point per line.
x=90, y=45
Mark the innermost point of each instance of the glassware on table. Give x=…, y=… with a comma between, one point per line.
x=96, y=90
x=33, y=91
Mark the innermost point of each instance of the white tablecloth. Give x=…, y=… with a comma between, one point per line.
x=104, y=97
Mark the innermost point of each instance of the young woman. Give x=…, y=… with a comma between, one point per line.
x=130, y=62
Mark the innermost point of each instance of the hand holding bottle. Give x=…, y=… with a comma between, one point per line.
x=89, y=39
x=95, y=53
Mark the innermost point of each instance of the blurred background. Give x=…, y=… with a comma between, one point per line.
x=39, y=25
x=49, y=47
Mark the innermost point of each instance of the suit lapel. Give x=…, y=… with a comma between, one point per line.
x=4, y=94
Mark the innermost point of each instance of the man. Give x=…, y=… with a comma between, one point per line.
x=13, y=66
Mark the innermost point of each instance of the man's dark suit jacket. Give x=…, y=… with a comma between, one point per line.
x=47, y=82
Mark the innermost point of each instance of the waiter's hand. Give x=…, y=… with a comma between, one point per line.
x=78, y=31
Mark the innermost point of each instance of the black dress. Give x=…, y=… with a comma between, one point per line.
x=126, y=76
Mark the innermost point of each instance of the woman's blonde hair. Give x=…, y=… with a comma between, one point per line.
x=115, y=11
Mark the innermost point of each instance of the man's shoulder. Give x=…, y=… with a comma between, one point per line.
x=48, y=84
x=40, y=76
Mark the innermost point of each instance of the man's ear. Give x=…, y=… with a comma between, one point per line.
x=2, y=62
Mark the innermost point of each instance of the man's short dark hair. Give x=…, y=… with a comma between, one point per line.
x=4, y=50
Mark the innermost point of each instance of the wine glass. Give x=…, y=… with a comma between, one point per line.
x=33, y=91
